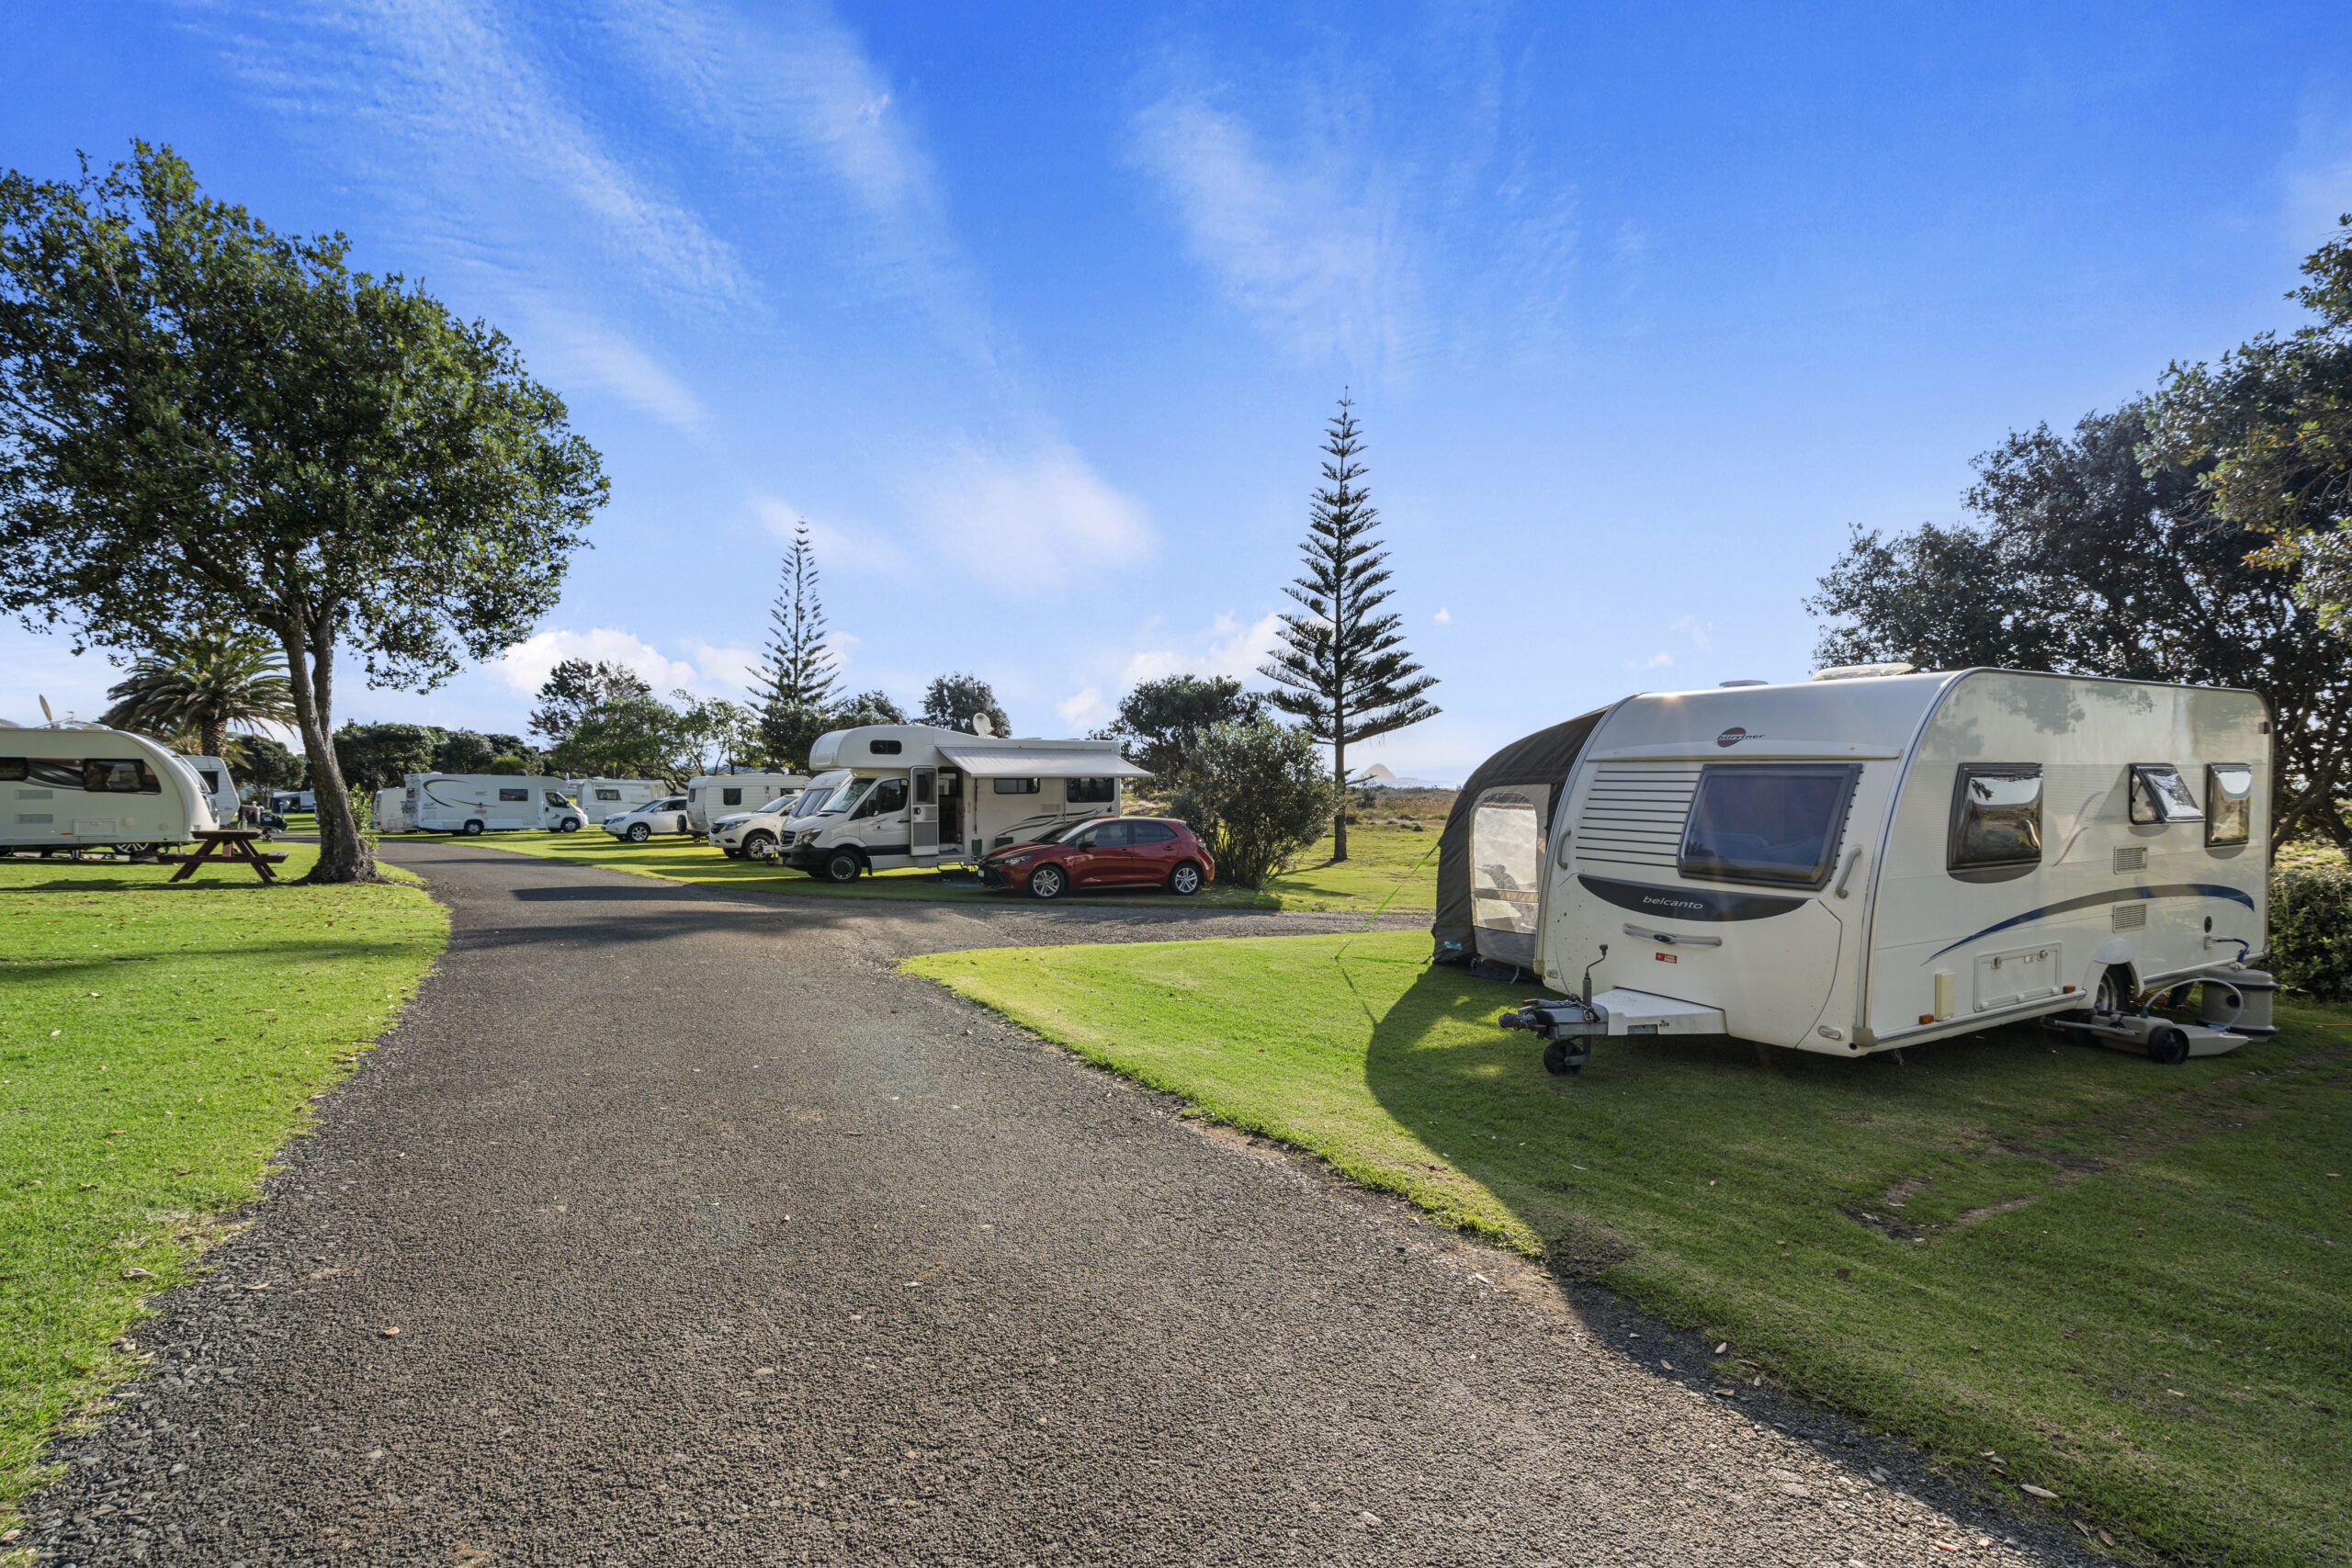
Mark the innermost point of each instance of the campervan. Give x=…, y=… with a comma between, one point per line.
x=713, y=795
x=69, y=785
x=1882, y=857
x=487, y=803
x=599, y=798
x=391, y=811
x=889, y=796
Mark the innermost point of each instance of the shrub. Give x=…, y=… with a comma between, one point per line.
x=2311, y=931
x=1256, y=795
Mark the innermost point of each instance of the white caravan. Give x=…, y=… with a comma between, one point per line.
x=69, y=786
x=1880, y=858
x=487, y=803
x=219, y=785
x=713, y=795
x=599, y=798
x=889, y=796
x=391, y=811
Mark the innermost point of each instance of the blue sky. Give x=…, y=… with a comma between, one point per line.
x=1034, y=313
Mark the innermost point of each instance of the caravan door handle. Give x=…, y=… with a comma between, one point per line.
x=1670, y=940
x=1853, y=859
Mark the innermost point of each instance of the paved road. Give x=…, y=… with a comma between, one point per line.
x=711, y=1239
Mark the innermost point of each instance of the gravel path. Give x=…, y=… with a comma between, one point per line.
x=711, y=1239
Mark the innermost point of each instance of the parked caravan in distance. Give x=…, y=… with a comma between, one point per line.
x=599, y=798
x=391, y=811
x=219, y=785
x=1881, y=857
x=69, y=786
x=713, y=795
x=289, y=800
x=488, y=803
x=889, y=796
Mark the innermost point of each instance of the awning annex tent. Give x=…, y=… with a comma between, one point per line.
x=1490, y=857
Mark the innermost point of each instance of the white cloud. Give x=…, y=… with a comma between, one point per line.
x=1658, y=660
x=1024, y=525
x=727, y=664
x=580, y=350
x=854, y=548
x=1225, y=648
x=1443, y=617
x=2318, y=174
x=1700, y=632
x=527, y=664
x=1083, y=711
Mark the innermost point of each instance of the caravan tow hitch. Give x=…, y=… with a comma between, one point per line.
x=1566, y=1027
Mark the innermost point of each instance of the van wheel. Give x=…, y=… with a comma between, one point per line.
x=473, y=829
x=1047, y=882
x=759, y=846
x=844, y=866
x=569, y=825
x=638, y=832
x=1185, y=880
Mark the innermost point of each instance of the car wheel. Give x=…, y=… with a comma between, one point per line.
x=638, y=832
x=843, y=866
x=473, y=829
x=1185, y=880
x=759, y=846
x=1048, y=882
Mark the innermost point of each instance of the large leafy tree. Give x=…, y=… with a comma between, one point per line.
x=209, y=682
x=952, y=700
x=1342, y=666
x=798, y=680
x=1256, y=794
x=575, y=686
x=1160, y=722
x=205, y=423
x=2081, y=561
x=2269, y=431
x=378, y=756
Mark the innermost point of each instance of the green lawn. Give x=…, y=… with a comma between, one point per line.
x=1382, y=861
x=158, y=1043
x=2131, y=1283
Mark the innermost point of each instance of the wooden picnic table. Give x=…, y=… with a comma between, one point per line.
x=230, y=843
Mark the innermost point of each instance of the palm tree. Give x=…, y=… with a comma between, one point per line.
x=204, y=681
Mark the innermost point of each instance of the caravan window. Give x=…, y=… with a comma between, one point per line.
x=608, y=795
x=212, y=778
x=1995, y=816
x=1767, y=822
x=12, y=770
x=730, y=798
x=2160, y=795
x=513, y=794
x=1015, y=786
x=2229, y=803
x=105, y=775
x=884, y=748
x=1093, y=792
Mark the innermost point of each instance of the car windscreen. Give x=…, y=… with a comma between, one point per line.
x=781, y=803
x=821, y=790
x=1067, y=831
x=1767, y=822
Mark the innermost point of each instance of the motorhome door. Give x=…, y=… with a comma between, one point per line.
x=922, y=811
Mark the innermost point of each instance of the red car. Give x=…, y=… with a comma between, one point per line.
x=1105, y=851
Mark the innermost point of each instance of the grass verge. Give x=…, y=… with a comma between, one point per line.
x=1382, y=861
x=158, y=1043
x=2130, y=1284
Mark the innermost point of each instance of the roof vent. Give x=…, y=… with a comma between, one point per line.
x=1862, y=671
x=1743, y=683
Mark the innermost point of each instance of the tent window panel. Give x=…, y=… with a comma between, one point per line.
x=2229, y=803
x=1996, y=815
x=1767, y=822
x=1093, y=792
x=1506, y=860
x=2159, y=794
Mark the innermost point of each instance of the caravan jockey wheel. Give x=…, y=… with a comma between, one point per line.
x=2168, y=1046
x=1555, y=1060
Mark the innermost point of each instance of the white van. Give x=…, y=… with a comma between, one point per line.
x=488, y=803
x=713, y=795
x=889, y=796
x=1881, y=857
x=666, y=815
x=69, y=785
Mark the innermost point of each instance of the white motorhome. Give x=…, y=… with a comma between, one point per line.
x=487, y=803
x=890, y=795
x=1881, y=857
x=599, y=798
x=712, y=796
x=69, y=785
x=391, y=811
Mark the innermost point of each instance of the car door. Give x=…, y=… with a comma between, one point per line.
x=1152, y=848
x=677, y=817
x=1107, y=861
x=883, y=811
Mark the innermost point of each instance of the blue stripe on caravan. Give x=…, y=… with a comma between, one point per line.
x=2116, y=895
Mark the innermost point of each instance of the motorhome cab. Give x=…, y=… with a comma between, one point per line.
x=488, y=803
x=1857, y=864
x=890, y=795
x=713, y=795
x=69, y=785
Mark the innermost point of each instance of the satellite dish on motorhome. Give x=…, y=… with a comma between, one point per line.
x=45, y=713
x=981, y=725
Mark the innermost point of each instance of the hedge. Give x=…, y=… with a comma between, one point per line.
x=2311, y=931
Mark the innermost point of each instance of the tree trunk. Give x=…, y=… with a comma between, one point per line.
x=1340, y=778
x=344, y=855
x=215, y=738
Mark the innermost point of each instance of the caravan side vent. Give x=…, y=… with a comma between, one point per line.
x=1633, y=814
x=2132, y=859
x=2132, y=916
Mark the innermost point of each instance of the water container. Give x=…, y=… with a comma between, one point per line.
x=2238, y=1000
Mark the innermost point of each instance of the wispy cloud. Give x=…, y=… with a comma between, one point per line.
x=575, y=349
x=527, y=665
x=2318, y=172
x=850, y=548
x=1026, y=524
x=1224, y=646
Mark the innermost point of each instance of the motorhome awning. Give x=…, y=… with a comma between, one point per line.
x=1014, y=761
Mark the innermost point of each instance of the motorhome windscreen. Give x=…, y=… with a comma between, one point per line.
x=844, y=797
x=1767, y=822
x=815, y=800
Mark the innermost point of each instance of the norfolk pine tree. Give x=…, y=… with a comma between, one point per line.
x=205, y=423
x=1342, y=665
x=797, y=683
